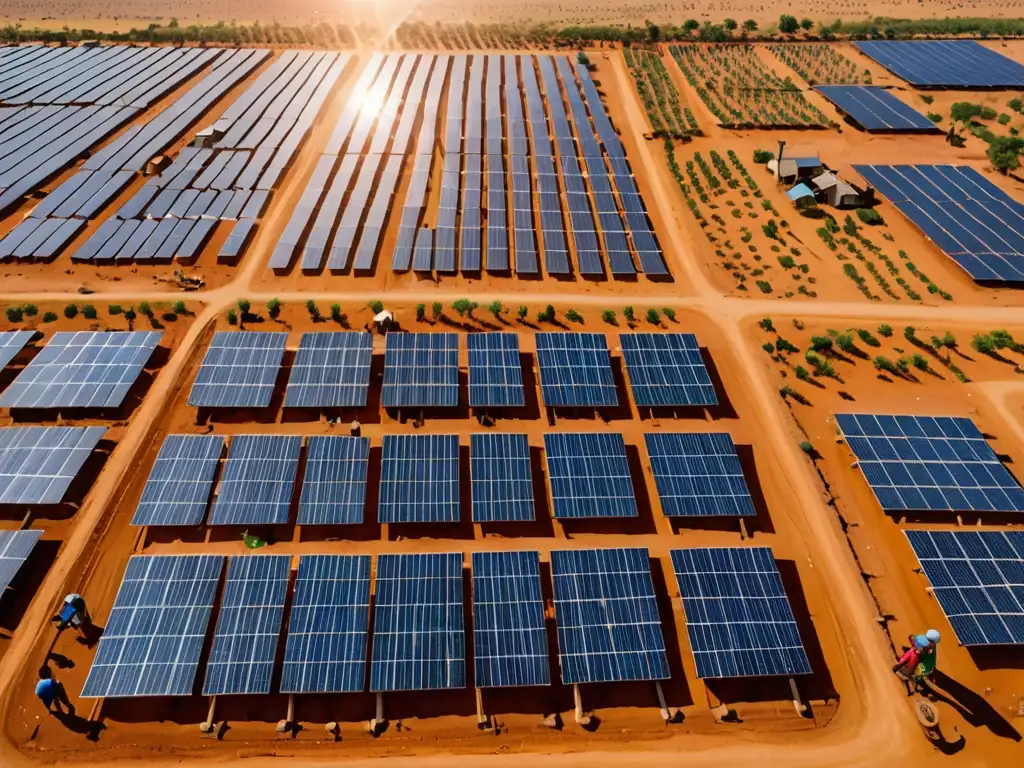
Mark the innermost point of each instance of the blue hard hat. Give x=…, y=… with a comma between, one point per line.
x=921, y=641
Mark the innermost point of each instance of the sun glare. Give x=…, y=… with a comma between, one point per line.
x=373, y=102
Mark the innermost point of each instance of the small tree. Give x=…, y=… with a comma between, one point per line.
x=437, y=308
x=421, y=312
x=114, y=309
x=274, y=308
x=821, y=343
x=232, y=317
x=869, y=216
x=573, y=316
x=691, y=24
x=910, y=334
x=89, y=311
x=669, y=313
x=336, y=315
x=653, y=317
x=549, y=313
x=14, y=314
x=1004, y=153
x=313, y=309
x=49, y=317
x=129, y=314
x=30, y=310
x=376, y=306
x=763, y=156
x=982, y=342
x=919, y=361
x=627, y=313
x=144, y=309
x=806, y=25
x=730, y=24
x=244, y=306
x=179, y=308
x=608, y=316
x=788, y=24
x=766, y=324
x=885, y=330
x=523, y=311
x=70, y=311
x=495, y=308
x=845, y=342
x=461, y=307
x=749, y=25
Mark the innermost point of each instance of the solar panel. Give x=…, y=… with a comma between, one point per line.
x=38, y=464
x=331, y=370
x=925, y=463
x=245, y=642
x=82, y=369
x=876, y=109
x=510, y=644
x=334, y=486
x=419, y=479
x=501, y=477
x=666, y=369
x=698, y=474
x=258, y=479
x=239, y=370
x=575, y=370
x=608, y=624
x=421, y=370
x=968, y=217
x=978, y=579
x=945, y=63
x=152, y=642
x=15, y=548
x=589, y=475
x=738, y=617
x=495, y=372
x=11, y=343
x=327, y=625
x=181, y=481
x=418, y=635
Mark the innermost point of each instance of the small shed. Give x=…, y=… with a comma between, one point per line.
x=801, y=194
x=838, y=193
x=791, y=169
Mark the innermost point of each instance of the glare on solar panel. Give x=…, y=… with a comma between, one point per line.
x=331, y=370
x=609, y=629
x=419, y=479
x=510, y=644
x=258, y=479
x=738, y=617
x=666, y=369
x=924, y=463
x=154, y=637
x=181, y=481
x=15, y=548
x=419, y=639
x=589, y=475
x=495, y=371
x=575, y=370
x=501, y=477
x=39, y=464
x=698, y=474
x=978, y=579
x=334, y=486
x=239, y=370
x=251, y=611
x=327, y=625
x=421, y=370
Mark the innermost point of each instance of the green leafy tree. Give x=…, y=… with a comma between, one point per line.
x=608, y=316
x=70, y=311
x=179, y=308
x=30, y=310
x=653, y=317
x=573, y=316
x=232, y=317
x=788, y=24
x=627, y=313
x=806, y=25
x=669, y=313
x=89, y=311
x=845, y=342
x=274, y=308
x=885, y=330
x=243, y=306
x=495, y=308
x=421, y=312
x=762, y=156
x=14, y=314
x=730, y=24
x=49, y=317
x=1004, y=153
x=749, y=25
x=437, y=309
x=114, y=309
x=129, y=314
x=336, y=314
x=691, y=24
x=821, y=343
x=523, y=312
x=766, y=324
x=376, y=306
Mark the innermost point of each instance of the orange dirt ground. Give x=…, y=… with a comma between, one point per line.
x=847, y=569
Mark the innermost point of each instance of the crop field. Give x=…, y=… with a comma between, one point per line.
x=665, y=113
x=821, y=64
x=741, y=90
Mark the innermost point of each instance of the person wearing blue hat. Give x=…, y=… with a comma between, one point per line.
x=51, y=693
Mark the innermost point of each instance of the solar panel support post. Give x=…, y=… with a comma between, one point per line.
x=286, y=725
x=583, y=718
x=207, y=725
x=378, y=719
x=665, y=714
x=798, y=704
x=482, y=720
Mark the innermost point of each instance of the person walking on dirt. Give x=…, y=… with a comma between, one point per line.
x=920, y=659
x=51, y=693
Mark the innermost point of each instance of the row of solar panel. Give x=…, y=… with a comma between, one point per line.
x=697, y=475
x=15, y=548
x=739, y=621
x=945, y=63
x=332, y=370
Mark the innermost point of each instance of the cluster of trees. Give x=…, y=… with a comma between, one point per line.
x=322, y=34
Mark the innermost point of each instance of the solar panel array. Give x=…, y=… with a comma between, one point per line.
x=331, y=370
x=698, y=475
x=251, y=611
x=419, y=639
x=153, y=640
x=239, y=370
x=510, y=643
x=666, y=369
x=738, y=617
x=609, y=629
x=876, y=109
x=419, y=479
x=39, y=464
x=945, y=63
x=925, y=463
x=968, y=217
x=589, y=475
x=495, y=372
x=501, y=477
x=328, y=625
x=11, y=343
x=575, y=370
x=82, y=369
x=258, y=480
x=15, y=548
x=421, y=370
x=334, y=486
x=978, y=579
x=181, y=481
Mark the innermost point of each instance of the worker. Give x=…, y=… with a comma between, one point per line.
x=929, y=655
x=73, y=613
x=908, y=663
x=51, y=692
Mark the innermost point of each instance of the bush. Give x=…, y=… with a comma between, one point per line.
x=14, y=314
x=421, y=311
x=987, y=113
x=763, y=156
x=313, y=309
x=89, y=311
x=495, y=308
x=49, y=317
x=70, y=311
x=274, y=308
x=787, y=262
x=919, y=361
x=768, y=347
x=114, y=309
x=244, y=305
x=845, y=342
x=885, y=330
x=669, y=313
x=549, y=313
x=765, y=286
x=807, y=448
x=232, y=317
x=869, y=216
x=129, y=314
x=910, y=333
x=145, y=309
x=821, y=343
x=1004, y=119
x=883, y=363
x=30, y=310
x=867, y=338
x=336, y=315
x=179, y=308
x=608, y=316
x=376, y=306
x=523, y=311
x=802, y=373
x=784, y=345
x=982, y=342
x=653, y=317
x=767, y=325
x=437, y=308
x=573, y=316
x=1004, y=340
x=627, y=312
x=788, y=24
x=935, y=118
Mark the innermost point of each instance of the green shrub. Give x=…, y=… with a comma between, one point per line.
x=802, y=373
x=30, y=310
x=845, y=342
x=768, y=347
x=787, y=262
x=244, y=306
x=274, y=308
x=821, y=343
x=461, y=306
x=114, y=309
x=1004, y=340
x=883, y=363
x=608, y=316
x=573, y=316
x=765, y=286
x=313, y=309
x=129, y=314
x=144, y=309
x=763, y=156
x=421, y=311
x=495, y=308
x=1004, y=119
x=232, y=317
x=14, y=314
x=767, y=325
x=934, y=117
x=869, y=216
x=70, y=311
x=885, y=330
x=868, y=338
x=437, y=308
x=49, y=317
x=669, y=313
x=627, y=312
x=522, y=313
x=336, y=314
x=910, y=333
x=919, y=361
x=807, y=448
x=179, y=308
x=982, y=342
x=376, y=306
x=89, y=311
x=653, y=317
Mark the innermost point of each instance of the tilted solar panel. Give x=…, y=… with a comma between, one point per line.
x=738, y=617
x=945, y=63
x=239, y=370
x=334, y=486
x=327, y=625
x=925, y=463
x=421, y=370
x=251, y=611
x=39, y=464
x=258, y=480
x=666, y=369
x=510, y=644
x=15, y=548
x=501, y=477
x=82, y=369
x=609, y=629
x=331, y=370
x=11, y=343
x=181, y=481
x=589, y=475
x=495, y=372
x=575, y=370
x=978, y=579
x=876, y=109
x=698, y=474
x=419, y=638
x=153, y=640
x=419, y=479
